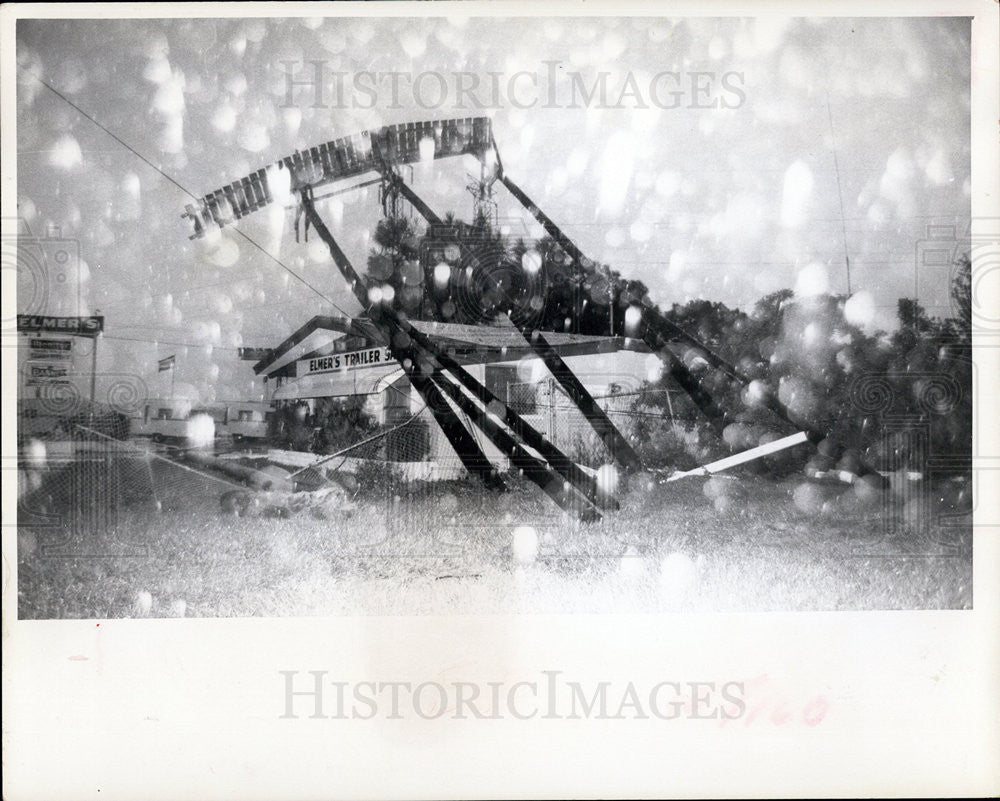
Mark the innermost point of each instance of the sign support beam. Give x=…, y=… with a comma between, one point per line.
x=468, y=450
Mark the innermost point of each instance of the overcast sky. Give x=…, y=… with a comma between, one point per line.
x=709, y=158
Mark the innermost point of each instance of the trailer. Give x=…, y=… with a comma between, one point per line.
x=179, y=421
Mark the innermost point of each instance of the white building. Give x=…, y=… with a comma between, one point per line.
x=336, y=357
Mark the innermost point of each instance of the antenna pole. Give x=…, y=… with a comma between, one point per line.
x=840, y=194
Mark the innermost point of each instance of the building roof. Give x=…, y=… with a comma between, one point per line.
x=468, y=344
x=309, y=340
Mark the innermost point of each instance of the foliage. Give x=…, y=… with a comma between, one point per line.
x=378, y=479
x=828, y=372
x=340, y=422
x=290, y=427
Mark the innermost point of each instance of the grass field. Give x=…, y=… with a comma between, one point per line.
x=744, y=544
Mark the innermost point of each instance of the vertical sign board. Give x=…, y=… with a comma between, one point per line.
x=39, y=374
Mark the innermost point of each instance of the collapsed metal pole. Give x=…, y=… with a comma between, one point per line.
x=408, y=347
x=656, y=331
x=676, y=369
x=560, y=491
x=468, y=450
x=619, y=448
x=565, y=466
x=613, y=440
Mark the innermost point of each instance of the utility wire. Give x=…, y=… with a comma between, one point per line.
x=183, y=189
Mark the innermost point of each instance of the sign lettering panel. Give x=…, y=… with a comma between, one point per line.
x=343, y=362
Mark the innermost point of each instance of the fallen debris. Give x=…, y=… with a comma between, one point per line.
x=325, y=503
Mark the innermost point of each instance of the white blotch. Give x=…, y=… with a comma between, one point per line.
x=755, y=393
x=678, y=262
x=225, y=253
x=859, y=309
x=157, y=70
x=317, y=251
x=171, y=137
x=442, y=274
x=633, y=316
x=524, y=542
x=143, y=603
x=426, y=147
x=200, y=430
x=65, y=153
x=531, y=261
x=812, y=280
x=653, y=365
x=131, y=185
x=796, y=192
x=531, y=370
x=223, y=303
x=612, y=46
x=35, y=454
x=615, y=237
x=577, y=162
x=414, y=43
x=631, y=566
x=279, y=181
x=938, y=169
x=667, y=183
x=236, y=84
x=617, y=166
x=253, y=137
x=292, y=118
x=895, y=184
x=224, y=118
x=608, y=480
x=169, y=97
x=640, y=231
x=678, y=576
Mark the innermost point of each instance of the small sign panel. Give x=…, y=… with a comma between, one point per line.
x=61, y=349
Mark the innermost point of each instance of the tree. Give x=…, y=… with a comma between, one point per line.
x=961, y=295
x=393, y=263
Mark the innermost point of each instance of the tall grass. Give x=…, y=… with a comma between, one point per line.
x=446, y=549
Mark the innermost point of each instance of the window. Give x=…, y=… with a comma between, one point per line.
x=245, y=416
x=164, y=414
x=396, y=401
x=503, y=382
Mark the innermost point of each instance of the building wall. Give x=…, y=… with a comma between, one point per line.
x=526, y=384
x=555, y=416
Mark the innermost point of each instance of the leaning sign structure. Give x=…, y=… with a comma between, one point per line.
x=442, y=381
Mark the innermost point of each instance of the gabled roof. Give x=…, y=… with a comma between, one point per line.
x=470, y=344
x=304, y=342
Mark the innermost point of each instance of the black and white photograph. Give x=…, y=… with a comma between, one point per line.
x=388, y=311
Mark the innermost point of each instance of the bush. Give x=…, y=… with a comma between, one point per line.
x=340, y=423
x=671, y=445
x=377, y=479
